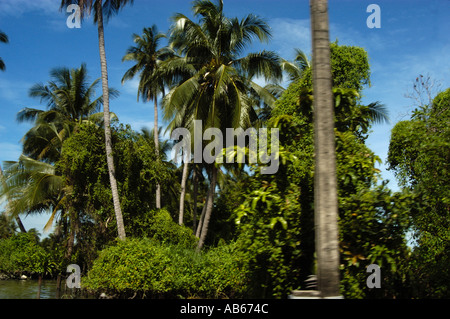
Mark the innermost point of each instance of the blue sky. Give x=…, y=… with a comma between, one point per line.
x=413, y=39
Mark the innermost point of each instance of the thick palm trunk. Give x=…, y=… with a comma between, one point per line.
x=325, y=185
x=183, y=192
x=106, y=115
x=156, y=135
x=209, y=207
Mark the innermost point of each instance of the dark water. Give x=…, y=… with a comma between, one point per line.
x=28, y=289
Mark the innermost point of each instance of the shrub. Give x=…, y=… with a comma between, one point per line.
x=22, y=254
x=151, y=268
x=164, y=229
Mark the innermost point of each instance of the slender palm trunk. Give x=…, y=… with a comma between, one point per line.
x=195, y=178
x=20, y=224
x=325, y=184
x=202, y=218
x=209, y=207
x=106, y=115
x=183, y=192
x=156, y=135
x=71, y=239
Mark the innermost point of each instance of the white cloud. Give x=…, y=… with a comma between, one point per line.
x=289, y=34
x=131, y=86
x=138, y=122
x=18, y=7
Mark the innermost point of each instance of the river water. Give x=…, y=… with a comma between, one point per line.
x=28, y=289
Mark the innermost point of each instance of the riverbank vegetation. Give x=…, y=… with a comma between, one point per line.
x=209, y=230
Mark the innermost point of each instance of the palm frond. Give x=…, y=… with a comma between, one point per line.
x=3, y=37
x=377, y=113
x=31, y=185
x=263, y=64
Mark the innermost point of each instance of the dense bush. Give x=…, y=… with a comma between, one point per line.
x=22, y=254
x=150, y=268
x=162, y=228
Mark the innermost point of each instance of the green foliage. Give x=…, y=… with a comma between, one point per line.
x=7, y=226
x=373, y=223
x=420, y=158
x=152, y=269
x=349, y=68
x=23, y=254
x=261, y=236
x=137, y=173
x=270, y=236
x=276, y=218
x=162, y=228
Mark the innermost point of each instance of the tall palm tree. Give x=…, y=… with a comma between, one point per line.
x=70, y=101
x=35, y=187
x=217, y=85
x=32, y=185
x=148, y=58
x=325, y=184
x=3, y=39
x=105, y=9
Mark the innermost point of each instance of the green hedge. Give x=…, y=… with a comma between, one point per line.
x=150, y=268
x=162, y=228
x=22, y=254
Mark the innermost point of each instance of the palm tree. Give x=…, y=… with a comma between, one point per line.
x=3, y=189
x=216, y=86
x=325, y=184
x=32, y=186
x=170, y=188
x=3, y=39
x=105, y=9
x=70, y=101
x=148, y=58
x=296, y=68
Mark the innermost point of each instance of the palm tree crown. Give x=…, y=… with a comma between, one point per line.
x=215, y=81
x=109, y=7
x=296, y=68
x=147, y=57
x=70, y=100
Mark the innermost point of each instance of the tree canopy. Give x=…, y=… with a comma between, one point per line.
x=214, y=229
